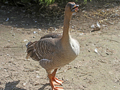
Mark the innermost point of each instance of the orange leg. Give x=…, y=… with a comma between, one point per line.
x=55, y=81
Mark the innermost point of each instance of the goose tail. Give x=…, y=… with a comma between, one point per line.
x=30, y=50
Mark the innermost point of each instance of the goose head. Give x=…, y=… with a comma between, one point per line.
x=71, y=7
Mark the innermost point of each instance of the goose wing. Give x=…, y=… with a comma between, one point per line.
x=42, y=49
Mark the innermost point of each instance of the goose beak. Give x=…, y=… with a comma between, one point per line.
x=74, y=8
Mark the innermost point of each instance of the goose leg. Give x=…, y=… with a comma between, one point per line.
x=54, y=81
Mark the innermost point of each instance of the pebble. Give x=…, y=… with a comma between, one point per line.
x=96, y=51
x=76, y=67
x=19, y=29
x=7, y=19
x=24, y=84
x=8, y=54
x=39, y=29
x=73, y=27
x=37, y=71
x=25, y=40
x=81, y=33
x=55, y=29
x=34, y=32
x=93, y=26
x=33, y=36
x=37, y=76
x=5, y=70
x=74, y=13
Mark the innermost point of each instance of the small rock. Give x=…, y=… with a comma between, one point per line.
x=25, y=40
x=73, y=27
x=6, y=2
x=55, y=29
x=7, y=19
x=96, y=27
x=13, y=34
x=5, y=70
x=37, y=83
x=96, y=51
x=34, y=32
x=50, y=29
x=33, y=36
x=37, y=76
x=81, y=33
x=37, y=71
x=39, y=29
x=103, y=10
x=88, y=50
x=83, y=10
x=19, y=29
x=74, y=13
x=24, y=84
x=76, y=67
x=107, y=53
x=93, y=26
x=23, y=10
x=104, y=25
x=8, y=54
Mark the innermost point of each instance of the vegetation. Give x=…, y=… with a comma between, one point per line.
x=44, y=3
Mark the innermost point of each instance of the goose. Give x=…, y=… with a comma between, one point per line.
x=55, y=50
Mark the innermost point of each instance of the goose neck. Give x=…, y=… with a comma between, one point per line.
x=67, y=19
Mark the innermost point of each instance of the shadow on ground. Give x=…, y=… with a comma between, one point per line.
x=43, y=87
x=18, y=17
x=12, y=86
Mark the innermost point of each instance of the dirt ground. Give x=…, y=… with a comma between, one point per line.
x=96, y=68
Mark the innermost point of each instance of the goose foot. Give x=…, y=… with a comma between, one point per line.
x=57, y=81
x=57, y=88
x=54, y=81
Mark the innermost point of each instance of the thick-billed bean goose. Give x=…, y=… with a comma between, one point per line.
x=55, y=50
